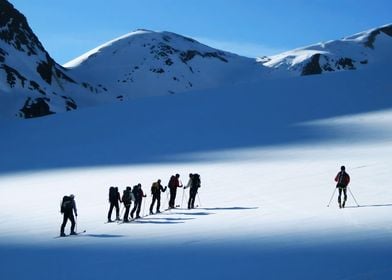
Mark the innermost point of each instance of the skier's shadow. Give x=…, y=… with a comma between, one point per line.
x=162, y=221
x=229, y=208
x=102, y=235
x=370, y=205
x=193, y=214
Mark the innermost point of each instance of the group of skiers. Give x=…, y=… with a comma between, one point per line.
x=135, y=195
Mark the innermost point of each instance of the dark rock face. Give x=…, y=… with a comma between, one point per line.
x=3, y=54
x=36, y=108
x=373, y=35
x=312, y=67
x=345, y=63
x=13, y=76
x=18, y=41
x=15, y=30
x=189, y=55
x=70, y=103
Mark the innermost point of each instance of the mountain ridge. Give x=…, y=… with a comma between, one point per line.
x=350, y=53
x=148, y=63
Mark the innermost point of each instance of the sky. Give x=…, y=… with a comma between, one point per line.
x=67, y=29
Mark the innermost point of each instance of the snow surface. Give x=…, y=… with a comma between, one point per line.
x=267, y=153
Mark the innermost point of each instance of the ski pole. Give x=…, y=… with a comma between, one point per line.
x=198, y=196
x=167, y=197
x=76, y=223
x=182, y=200
x=144, y=206
x=122, y=210
x=331, y=197
x=353, y=196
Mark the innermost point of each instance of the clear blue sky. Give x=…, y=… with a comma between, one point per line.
x=69, y=28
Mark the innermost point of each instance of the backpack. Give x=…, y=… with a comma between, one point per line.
x=112, y=194
x=171, y=182
x=127, y=198
x=343, y=179
x=155, y=188
x=195, y=181
x=66, y=204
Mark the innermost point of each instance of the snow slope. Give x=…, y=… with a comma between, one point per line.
x=350, y=53
x=147, y=63
x=267, y=156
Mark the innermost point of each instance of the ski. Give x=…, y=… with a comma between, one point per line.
x=70, y=235
x=112, y=222
x=148, y=215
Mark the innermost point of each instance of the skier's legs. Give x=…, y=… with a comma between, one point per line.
x=110, y=210
x=172, y=197
x=340, y=195
x=117, y=210
x=345, y=196
x=193, y=196
x=189, y=201
x=126, y=214
x=139, y=206
x=72, y=219
x=134, y=209
x=153, y=202
x=65, y=219
x=158, y=202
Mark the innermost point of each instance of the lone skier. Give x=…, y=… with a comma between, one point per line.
x=173, y=185
x=127, y=199
x=156, y=190
x=194, y=185
x=68, y=207
x=138, y=194
x=114, y=199
x=342, y=179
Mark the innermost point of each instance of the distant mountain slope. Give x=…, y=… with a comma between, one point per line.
x=349, y=53
x=145, y=63
x=31, y=83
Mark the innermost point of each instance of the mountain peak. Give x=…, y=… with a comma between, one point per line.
x=350, y=53
x=15, y=30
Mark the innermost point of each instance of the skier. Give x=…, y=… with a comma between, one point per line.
x=342, y=179
x=127, y=200
x=194, y=186
x=156, y=190
x=114, y=198
x=173, y=185
x=138, y=194
x=68, y=207
x=189, y=184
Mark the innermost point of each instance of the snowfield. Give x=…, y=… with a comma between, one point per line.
x=267, y=154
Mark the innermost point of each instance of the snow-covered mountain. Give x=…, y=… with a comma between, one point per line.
x=146, y=63
x=139, y=64
x=350, y=53
x=31, y=83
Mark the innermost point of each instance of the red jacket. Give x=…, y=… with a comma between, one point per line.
x=174, y=183
x=342, y=178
